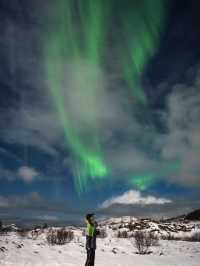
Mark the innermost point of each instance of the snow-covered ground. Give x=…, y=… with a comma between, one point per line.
x=111, y=251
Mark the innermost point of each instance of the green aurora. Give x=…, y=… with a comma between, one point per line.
x=79, y=33
x=141, y=32
x=143, y=181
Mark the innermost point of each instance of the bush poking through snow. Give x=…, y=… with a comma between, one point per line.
x=102, y=233
x=194, y=237
x=122, y=234
x=45, y=226
x=144, y=240
x=154, y=239
x=59, y=237
x=35, y=233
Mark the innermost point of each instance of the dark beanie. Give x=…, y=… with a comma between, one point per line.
x=89, y=215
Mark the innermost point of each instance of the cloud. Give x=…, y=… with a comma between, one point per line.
x=134, y=197
x=31, y=126
x=27, y=174
x=24, y=173
x=181, y=143
x=20, y=201
x=32, y=122
x=32, y=201
x=173, y=209
x=126, y=158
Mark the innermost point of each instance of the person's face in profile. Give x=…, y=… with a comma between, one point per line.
x=92, y=219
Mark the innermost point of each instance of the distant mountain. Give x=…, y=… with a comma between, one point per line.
x=193, y=216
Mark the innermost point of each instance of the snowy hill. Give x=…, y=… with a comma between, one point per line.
x=179, y=229
x=31, y=247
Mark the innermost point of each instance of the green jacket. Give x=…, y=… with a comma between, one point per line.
x=90, y=236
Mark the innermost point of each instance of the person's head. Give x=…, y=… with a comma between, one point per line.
x=90, y=217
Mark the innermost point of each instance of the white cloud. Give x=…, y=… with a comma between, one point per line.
x=31, y=126
x=181, y=144
x=31, y=122
x=27, y=174
x=134, y=197
x=126, y=158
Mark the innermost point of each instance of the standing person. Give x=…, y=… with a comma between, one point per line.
x=91, y=233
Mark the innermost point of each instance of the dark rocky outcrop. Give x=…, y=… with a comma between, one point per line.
x=193, y=216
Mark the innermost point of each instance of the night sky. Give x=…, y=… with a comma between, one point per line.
x=99, y=108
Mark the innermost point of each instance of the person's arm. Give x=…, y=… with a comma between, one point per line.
x=97, y=231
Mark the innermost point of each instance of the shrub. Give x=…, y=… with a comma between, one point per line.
x=35, y=233
x=45, y=226
x=131, y=226
x=60, y=237
x=102, y=233
x=170, y=237
x=122, y=234
x=195, y=237
x=144, y=240
x=153, y=239
x=4, y=231
x=141, y=242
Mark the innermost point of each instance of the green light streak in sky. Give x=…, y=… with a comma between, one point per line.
x=142, y=182
x=67, y=42
x=142, y=25
x=90, y=163
x=146, y=180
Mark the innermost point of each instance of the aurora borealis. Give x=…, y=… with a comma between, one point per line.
x=142, y=26
x=80, y=43
x=99, y=102
x=69, y=43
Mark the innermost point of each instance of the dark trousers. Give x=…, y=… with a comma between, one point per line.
x=90, y=257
